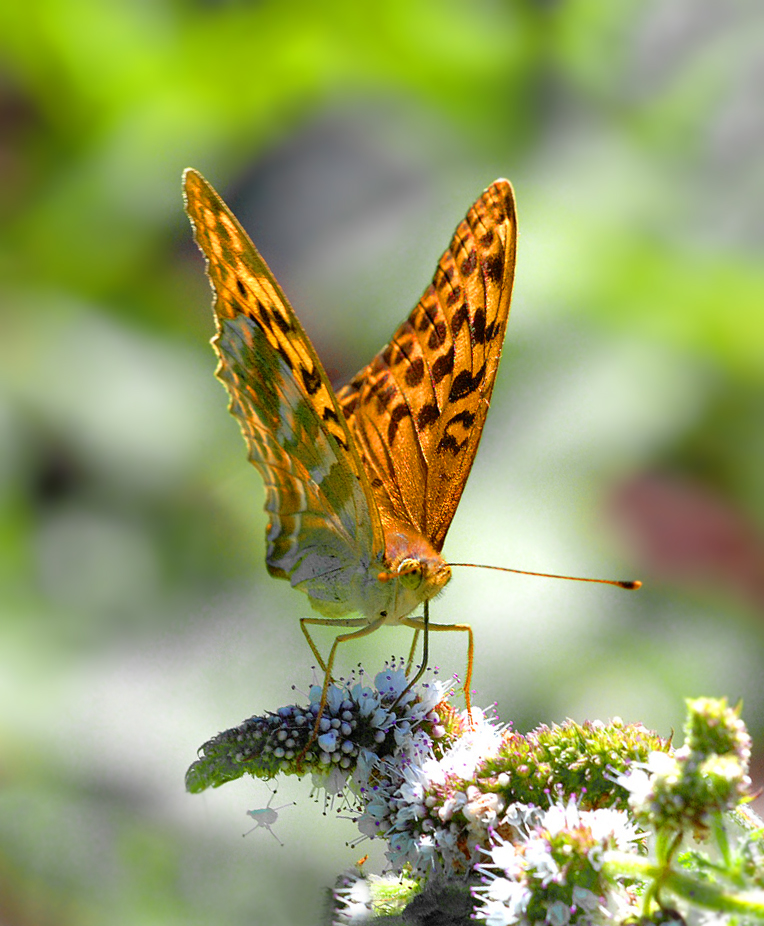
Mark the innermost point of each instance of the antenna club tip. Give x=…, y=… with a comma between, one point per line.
x=634, y=584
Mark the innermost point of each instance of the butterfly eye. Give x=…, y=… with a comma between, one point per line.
x=410, y=573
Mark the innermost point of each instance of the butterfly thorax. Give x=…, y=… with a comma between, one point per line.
x=385, y=589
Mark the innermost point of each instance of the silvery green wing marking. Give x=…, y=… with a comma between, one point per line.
x=324, y=534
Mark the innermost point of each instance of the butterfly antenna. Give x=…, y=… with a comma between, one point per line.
x=630, y=584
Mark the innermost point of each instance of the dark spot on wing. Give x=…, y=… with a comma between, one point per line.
x=311, y=380
x=449, y=443
x=478, y=327
x=459, y=318
x=469, y=264
x=437, y=335
x=465, y=418
x=398, y=414
x=428, y=414
x=465, y=383
x=453, y=296
x=263, y=316
x=284, y=356
x=283, y=323
x=383, y=389
x=443, y=275
x=443, y=365
x=240, y=286
x=494, y=267
x=393, y=354
x=415, y=373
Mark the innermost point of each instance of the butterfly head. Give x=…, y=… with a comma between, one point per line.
x=414, y=568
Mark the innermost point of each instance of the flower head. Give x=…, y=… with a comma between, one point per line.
x=551, y=871
x=709, y=774
x=360, y=725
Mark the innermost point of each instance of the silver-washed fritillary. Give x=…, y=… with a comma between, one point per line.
x=361, y=484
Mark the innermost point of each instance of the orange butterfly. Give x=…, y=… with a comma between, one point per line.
x=362, y=484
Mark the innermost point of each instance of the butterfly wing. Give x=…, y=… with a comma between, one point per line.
x=417, y=410
x=324, y=524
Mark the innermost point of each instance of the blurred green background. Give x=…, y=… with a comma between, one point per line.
x=625, y=438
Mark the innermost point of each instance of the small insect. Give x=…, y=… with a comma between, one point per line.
x=266, y=816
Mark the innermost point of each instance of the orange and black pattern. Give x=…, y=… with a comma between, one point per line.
x=366, y=481
x=322, y=515
x=417, y=410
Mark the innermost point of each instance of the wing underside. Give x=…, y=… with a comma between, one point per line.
x=324, y=523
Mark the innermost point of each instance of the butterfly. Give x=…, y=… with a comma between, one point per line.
x=362, y=483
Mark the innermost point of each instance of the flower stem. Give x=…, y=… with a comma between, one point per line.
x=722, y=841
x=699, y=893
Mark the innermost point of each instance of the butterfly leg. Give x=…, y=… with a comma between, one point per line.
x=424, y=624
x=364, y=628
x=327, y=622
x=412, y=651
x=464, y=628
x=311, y=644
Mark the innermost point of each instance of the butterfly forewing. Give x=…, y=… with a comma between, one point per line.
x=323, y=516
x=417, y=410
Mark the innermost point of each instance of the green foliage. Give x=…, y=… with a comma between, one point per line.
x=136, y=610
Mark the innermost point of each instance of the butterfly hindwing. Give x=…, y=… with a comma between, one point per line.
x=417, y=410
x=323, y=516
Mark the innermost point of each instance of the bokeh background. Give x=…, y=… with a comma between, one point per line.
x=626, y=437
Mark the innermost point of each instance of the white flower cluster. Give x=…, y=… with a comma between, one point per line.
x=353, y=900
x=383, y=708
x=445, y=796
x=425, y=806
x=550, y=871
